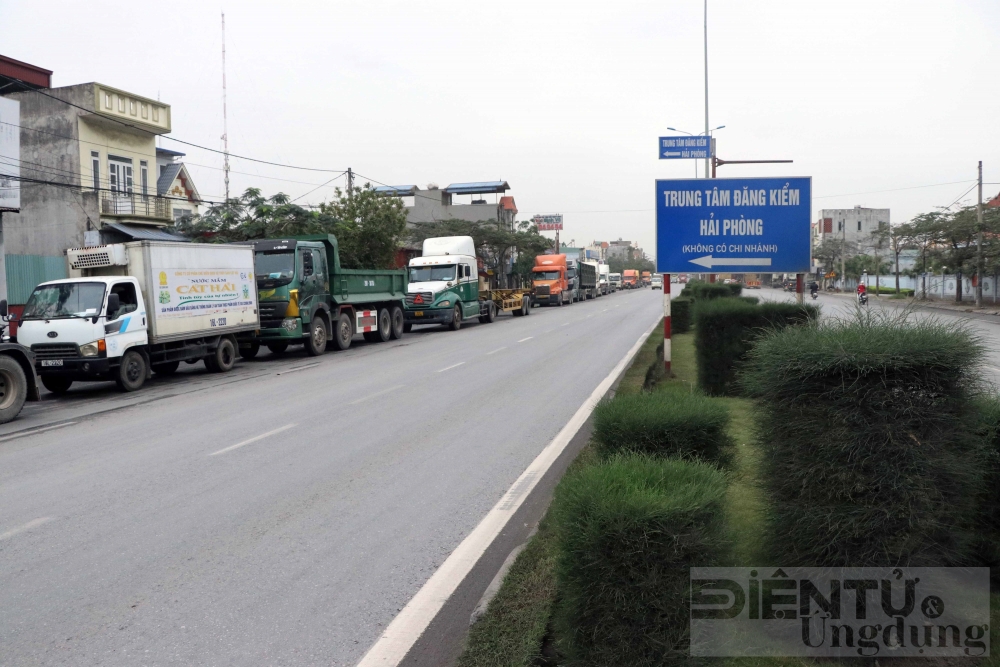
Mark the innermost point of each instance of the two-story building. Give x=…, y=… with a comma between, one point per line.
x=434, y=204
x=91, y=173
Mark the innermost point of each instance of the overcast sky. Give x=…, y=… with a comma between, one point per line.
x=564, y=100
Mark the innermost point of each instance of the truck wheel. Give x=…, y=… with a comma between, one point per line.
x=398, y=326
x=223, y=358
x=384, y=332
x=13, y=389
x=407, y=327
x=559, y=303
x=166, y=368
x=343, y=333
x=57, y=384
x=132, y=371
x=277, y=348
x=456, y=318
x=491, y=313
x=316, y=340
x=249, y=351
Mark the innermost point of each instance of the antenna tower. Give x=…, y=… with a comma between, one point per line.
x=225, y=126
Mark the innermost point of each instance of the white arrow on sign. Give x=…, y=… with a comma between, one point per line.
x=708, y=261
x=669, y=154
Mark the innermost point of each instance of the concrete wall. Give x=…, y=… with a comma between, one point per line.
x=428, y=207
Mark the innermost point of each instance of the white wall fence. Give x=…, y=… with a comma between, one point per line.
x=938, y=287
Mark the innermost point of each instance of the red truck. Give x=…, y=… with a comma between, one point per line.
x=630, y=279
x=549, y=279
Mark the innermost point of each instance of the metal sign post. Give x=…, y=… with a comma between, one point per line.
x=666, y=325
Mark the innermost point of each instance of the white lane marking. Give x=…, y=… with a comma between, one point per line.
x=617, y=305
x=253, y=439
x=564, y=324
x=35, y=523
x=299, y=368
x=404, y=630
x=524, y=339
x=450, y=367
x=24, y=434
x=377, y=394
x=605, y=310
x=496, y=350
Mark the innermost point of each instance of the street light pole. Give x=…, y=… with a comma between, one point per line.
x=979, y=241
x=706, y=83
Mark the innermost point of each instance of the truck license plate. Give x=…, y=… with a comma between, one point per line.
x=419, y=313
x=52, y=362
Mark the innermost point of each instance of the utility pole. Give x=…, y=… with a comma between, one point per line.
x=979, y=241
x=843, y=255
x=225, y=127
x=350, y=183
x=706, y=84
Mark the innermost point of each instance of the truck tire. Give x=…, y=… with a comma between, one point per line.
x=398, y=325
x=13, y=389
x=383, y=334
x=456, y=319
x=316, y=340
x=277, y=348
x=249, y=351
x=407, y=327
x=57, y=384
x=559, y=303
x=166, y=368
x=343, y=332
x=131, y=373
x=491, y=312
x=223, y=358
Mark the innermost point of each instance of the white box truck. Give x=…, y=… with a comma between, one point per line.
x=140, y=307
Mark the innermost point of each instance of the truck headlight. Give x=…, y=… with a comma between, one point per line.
x=444, y=304
x=290, y=324
x=92, y=349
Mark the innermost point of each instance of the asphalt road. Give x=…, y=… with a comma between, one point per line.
x=284, y=512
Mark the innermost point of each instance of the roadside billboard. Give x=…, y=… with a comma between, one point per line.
x=10, y=155
x=548, y=223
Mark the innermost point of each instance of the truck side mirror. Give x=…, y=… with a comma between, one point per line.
x=3, y=307
x=114, y=303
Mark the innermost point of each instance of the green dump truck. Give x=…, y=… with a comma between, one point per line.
x=306, y=298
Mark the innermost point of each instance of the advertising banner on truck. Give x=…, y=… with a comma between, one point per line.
x=185, y=292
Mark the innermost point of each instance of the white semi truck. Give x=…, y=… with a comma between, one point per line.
x=140, y=307
x=604, y=279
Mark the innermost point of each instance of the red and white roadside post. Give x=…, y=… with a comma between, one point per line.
x=666, y=324
x=799, y=280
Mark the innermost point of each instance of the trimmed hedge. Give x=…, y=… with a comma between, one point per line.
x=882, y=289
x=628, y=531
x=665, y=423
x=680, y=314
x=698, y=291
x=988, y=524
x=749, y=299
x=868, y=432
x=726, y=328
x=735, y=289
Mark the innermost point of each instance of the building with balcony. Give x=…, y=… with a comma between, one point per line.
x=90, y=174
x=434, y=204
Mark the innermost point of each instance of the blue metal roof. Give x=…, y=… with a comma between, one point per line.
x=478, y=187
x=397, y=190
x=144, y=233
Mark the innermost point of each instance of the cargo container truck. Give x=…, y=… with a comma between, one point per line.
x=549, y=279
x=307, y=298
x=140, y=307
x=18, y=379
x=646, y=278
x=630, y=278
x=616, y=281
x=445, y=287
x=592, y=271
x=604, y=278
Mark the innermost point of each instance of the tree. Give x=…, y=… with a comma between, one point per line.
x=830, y=251
x=369, y=226
x=901, y=237
x=878, y=239
x=926, y=234
x=859, y=265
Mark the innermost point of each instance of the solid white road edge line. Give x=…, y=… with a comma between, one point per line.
x=448, y=368
x=28, y=526
x=377, y=394
x=24, y=434
x=404, y=630
x=253, y=439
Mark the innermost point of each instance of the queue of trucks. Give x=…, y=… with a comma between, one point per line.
x=133, y=309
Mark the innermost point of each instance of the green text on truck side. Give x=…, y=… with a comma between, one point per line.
x=306, y=297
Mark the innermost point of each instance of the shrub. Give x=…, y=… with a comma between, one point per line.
x=666, y=423
x=867, y=430
x=735, y=289
x=680, y=314
x=988, y=522
x=882, y=289
x=749, y=299
x=628, y=530
x=702, y=291
x=655, y=372
x=725, y=330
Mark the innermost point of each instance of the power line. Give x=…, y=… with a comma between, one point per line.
x=317, y=188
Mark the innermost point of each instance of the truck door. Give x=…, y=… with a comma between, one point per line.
x=468, y=291
x=311, y=283
x=126, y=326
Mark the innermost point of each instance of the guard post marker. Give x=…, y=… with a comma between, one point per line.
x=799, y=279
x=666, y=324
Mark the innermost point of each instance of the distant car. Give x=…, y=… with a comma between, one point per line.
x=657, y=281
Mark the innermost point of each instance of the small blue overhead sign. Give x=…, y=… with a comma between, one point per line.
x=733, y=225
x=683, y=148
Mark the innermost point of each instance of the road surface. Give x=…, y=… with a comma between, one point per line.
x=285, y=512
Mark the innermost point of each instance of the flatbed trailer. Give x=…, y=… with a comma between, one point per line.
x=514, y=301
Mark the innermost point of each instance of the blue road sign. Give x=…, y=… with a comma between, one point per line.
x=684, y=148
x=733, y=225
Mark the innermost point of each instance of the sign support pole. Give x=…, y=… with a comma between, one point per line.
x=666, y=325
x=799, y=279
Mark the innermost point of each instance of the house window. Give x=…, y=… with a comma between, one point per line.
x=120, y=174
x=95, y=164
x=144, y=176
x=121, y=104
x=131, y=107
x=859, y=225
x=107, y=100
x=145, y=110
x=156, y=114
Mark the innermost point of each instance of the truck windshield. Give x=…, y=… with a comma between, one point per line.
x=423, y=274
x=49, y=302
x=546, y=275
x=274, y=265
